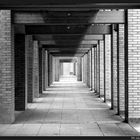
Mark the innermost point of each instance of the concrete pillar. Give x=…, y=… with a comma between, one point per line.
x=74, y=68
x=79, y=69
x=20, y=80
x=35, y=70
x=50, y=75
x=29, y=67
x=54, y=69
x=57, y=69
x=61, y=68
x=89, y=69
x=40, y=70
x=43, y=69
x=97, y=69
x=93, y=70
x=95, y=75
x=7, y=85
x=46, y=69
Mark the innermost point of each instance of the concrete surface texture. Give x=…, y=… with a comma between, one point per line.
x=67, y=108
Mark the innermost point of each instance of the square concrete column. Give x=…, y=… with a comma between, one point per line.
x=50, y=73
x=20, y=73
x=89, y=69
x=93, y=69
x=7, y=85
x=46, y=69
x=79, y=69
x=29, y=68
x=57, y=69
x=40, y=69
x=35, y=69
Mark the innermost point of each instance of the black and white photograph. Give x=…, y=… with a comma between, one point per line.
x=69, y=68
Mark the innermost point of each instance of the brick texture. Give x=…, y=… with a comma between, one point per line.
x=115, y=69
x=121, y=67
x=6, y=69
x=134, y=62
x=101, y=69
x=93, y=69
x=108, y=66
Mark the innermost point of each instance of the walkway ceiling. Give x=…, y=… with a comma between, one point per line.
x=65, y=28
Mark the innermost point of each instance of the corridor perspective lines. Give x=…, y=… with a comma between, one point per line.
x=68, y=108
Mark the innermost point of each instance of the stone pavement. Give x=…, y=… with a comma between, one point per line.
x=67, y=108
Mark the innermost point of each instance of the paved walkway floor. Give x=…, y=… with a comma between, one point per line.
x=67, y=108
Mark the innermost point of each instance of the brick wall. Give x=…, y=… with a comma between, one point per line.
x=35, y=70
x=6, y=69
x=121, y=67
x=108, y=67
x=134, y=62
x=97, y=68
x=20, y=94
x=115, y=69
x=101, y=69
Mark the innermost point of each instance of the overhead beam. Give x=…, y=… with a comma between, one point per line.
x=63, y=18
x=59, y=29
x=70, y=51
x=68, y=55
x=67, y=46
x=70, y=42
x=67, y=37
x=66, y=49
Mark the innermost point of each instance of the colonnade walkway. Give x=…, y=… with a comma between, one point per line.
x=67, y=108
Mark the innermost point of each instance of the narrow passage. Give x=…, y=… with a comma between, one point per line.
x=68, y=108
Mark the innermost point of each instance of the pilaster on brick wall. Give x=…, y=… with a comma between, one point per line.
x=134, y=62
x=6, y=69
